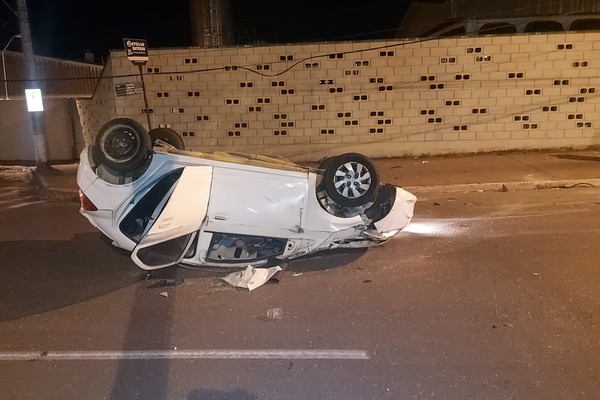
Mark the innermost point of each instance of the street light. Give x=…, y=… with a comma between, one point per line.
x=17, y=36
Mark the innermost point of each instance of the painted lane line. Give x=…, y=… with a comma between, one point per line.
x=186, y=354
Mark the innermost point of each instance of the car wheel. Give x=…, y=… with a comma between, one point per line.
x=168, y=136
x=325, y=162
x=351, y=180
x=123, y=145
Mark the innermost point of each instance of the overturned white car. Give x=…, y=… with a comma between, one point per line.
x=170, y=206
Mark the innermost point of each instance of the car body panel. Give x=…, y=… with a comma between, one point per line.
x=186, y=207
x=257, y=202
x=401, y=213
x=85, y=173
x=256, y=160
x=231, y=210
x=183, y=213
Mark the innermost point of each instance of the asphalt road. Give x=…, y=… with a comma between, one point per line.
x=487, y=296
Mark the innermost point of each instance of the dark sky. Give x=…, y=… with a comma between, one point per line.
x=66, y=28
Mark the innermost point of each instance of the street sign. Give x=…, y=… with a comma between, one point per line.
x=128, y=89
x=136, y=50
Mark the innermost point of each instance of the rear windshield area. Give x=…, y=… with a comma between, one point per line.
x=135, y=222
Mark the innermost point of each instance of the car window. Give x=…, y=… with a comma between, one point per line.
x=135, y=222
x=164, y=253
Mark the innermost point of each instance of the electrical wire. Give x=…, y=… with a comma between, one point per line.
x=247, y=67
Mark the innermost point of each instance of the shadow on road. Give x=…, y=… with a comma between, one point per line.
x=39, y=276
x=317, y=262
x=151, y=323
x=326, y=260
x=149, y=328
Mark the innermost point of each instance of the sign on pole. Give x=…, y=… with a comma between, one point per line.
x=136, y=50
x=128, y=88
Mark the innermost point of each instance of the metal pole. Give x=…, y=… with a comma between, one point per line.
x=145, y=97
x=37, y=123
x=4, y=65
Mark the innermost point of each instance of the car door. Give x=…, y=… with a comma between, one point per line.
x=168, y=238
x=254, y=201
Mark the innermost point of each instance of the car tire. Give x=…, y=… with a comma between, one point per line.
x=325, y=162
x=123, y=145
x=351, y=180
x=167, y=135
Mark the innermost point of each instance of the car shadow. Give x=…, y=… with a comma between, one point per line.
x=149, y=327
x=326, y=260
x=39, y=276
x=321, y=261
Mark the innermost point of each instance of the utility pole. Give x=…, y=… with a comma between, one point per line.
x=37, y=125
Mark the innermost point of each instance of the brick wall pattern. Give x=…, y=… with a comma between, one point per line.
x=381, y=98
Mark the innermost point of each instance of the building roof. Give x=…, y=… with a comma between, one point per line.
x=495, y=26
x=57, y=78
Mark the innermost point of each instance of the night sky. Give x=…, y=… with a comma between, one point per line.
x=66, y=28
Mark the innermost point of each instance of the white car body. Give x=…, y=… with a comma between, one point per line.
x=225, y=210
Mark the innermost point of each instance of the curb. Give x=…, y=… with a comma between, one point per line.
x=72, y=195
x=56, y=194
x=50, y=193
x=505, y=186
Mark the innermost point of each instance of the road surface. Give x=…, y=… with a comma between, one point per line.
x=486, y=296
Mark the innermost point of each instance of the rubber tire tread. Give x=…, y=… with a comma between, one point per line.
x=167, y=135
x=139, y=158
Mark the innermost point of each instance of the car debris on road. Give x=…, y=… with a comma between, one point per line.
x=251, y=278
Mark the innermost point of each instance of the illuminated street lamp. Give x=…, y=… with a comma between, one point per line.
x=17, y=36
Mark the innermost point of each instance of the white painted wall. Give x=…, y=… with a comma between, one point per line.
x=16, y=140
x=60, y=123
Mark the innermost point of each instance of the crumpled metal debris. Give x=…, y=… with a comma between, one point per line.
x=275, y=313
x=251, y=277
x=160, y=283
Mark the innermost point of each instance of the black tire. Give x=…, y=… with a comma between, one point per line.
x=167, y=135
x=323, y=165
x=123, y=145
x=351, y=180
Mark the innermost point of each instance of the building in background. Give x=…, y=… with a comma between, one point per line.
x=62, y=83
x=481, y=92
x=380, y=98
x=210, y=23
x=426, y=18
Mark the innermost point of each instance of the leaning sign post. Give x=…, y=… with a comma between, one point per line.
x=137, y=52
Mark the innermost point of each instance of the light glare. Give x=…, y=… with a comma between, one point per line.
x=432, y=228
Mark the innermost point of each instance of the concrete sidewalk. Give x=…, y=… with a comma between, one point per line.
x=457, y=173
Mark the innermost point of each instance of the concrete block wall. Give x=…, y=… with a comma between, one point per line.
x=383, y=98
x=101, y=108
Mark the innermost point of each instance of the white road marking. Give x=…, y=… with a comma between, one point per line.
x=13, y=198
x=185, y=355
x=24, y=204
